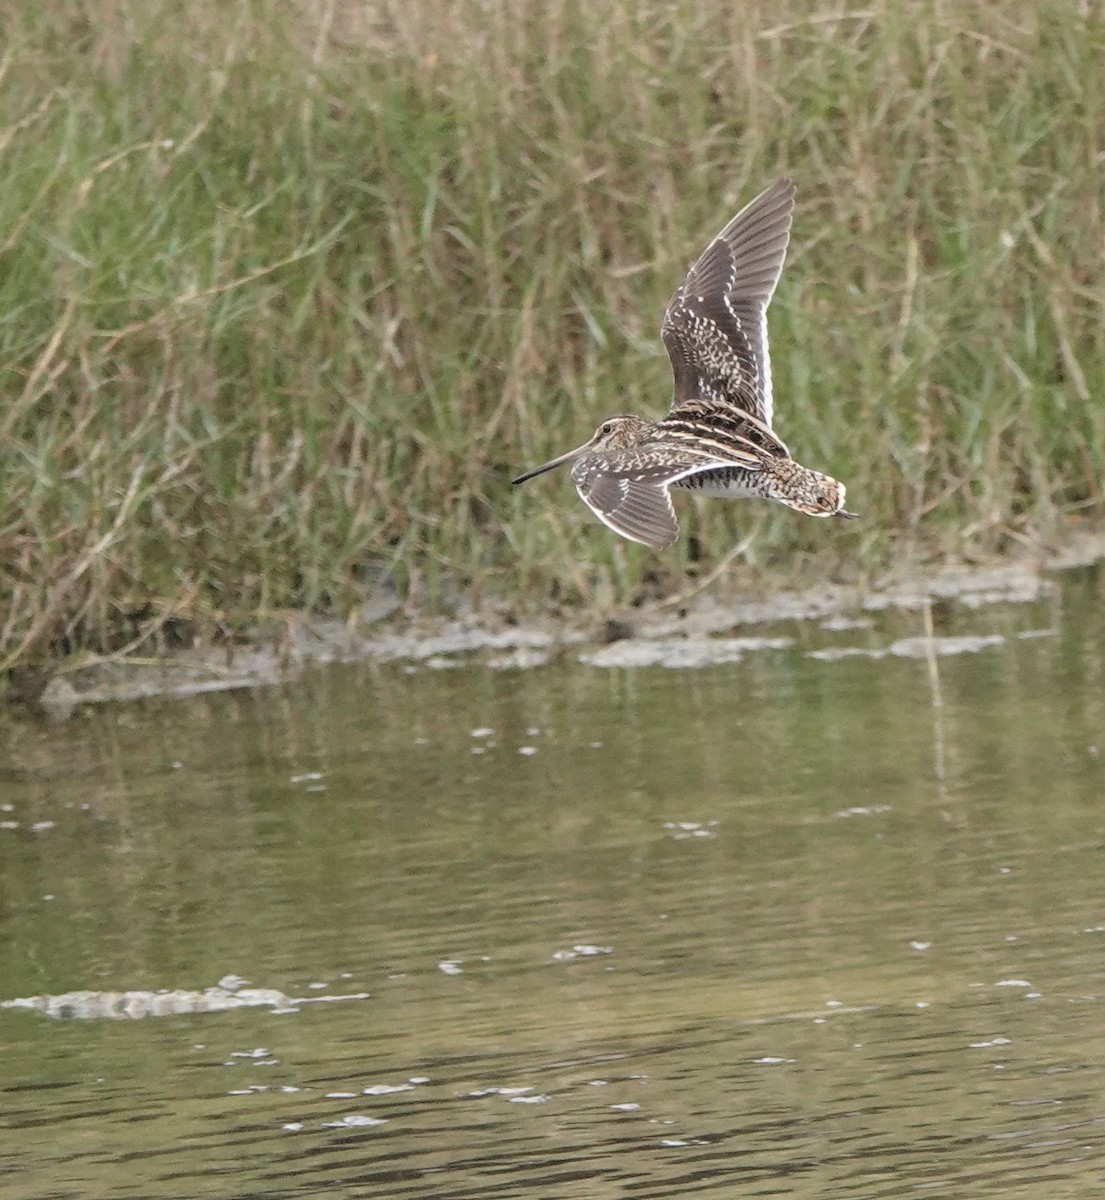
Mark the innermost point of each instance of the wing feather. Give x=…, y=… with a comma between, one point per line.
x=638, y=510
x=628, y=489
x=715, y=326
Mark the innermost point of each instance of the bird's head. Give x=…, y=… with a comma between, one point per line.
x=615, y=433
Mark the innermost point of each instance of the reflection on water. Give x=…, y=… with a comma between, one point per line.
x=800, y=924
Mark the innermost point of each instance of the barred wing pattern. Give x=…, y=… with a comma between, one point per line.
x=628, y=490
x=715, y=326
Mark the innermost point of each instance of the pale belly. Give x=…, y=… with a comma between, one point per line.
x=732, y=483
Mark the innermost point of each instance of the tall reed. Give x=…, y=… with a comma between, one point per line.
x=289, y=292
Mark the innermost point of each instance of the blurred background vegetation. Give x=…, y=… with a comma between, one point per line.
x=290, y=290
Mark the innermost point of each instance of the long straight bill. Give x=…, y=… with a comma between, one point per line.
x=554, y=462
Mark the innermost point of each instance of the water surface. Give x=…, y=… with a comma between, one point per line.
x=792, y=925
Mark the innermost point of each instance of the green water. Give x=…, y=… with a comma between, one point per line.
x=783, y=927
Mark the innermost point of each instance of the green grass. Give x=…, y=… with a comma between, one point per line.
x=289, y=292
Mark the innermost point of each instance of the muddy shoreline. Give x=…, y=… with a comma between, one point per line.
x=704, y=629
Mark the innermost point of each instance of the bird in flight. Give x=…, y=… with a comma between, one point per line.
x=717, y=439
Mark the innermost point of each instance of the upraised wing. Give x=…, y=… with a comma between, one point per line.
x=715, y=326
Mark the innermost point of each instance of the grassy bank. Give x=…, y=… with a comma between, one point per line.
x=289, y=292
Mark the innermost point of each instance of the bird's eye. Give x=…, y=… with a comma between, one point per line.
x=606, y=428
